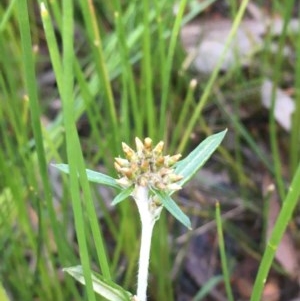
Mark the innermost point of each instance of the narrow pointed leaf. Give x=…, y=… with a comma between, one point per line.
x=93, y=176
x=124, y=194
x=107, y=289
x=173, y=208
x=196, y=159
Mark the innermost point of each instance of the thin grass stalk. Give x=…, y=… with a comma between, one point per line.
x=100, y=63
x=207, y=288
x=31, y=85
x=91, y=106
x=52, y=44
x=184, y=114
x=197, y=9
x=238, y=158
x=55, y=10
x=241, y=128
x=265, y=215
x=55, y=59
x=295, y=128
x=57, y=66
x=168, y=67
x=97, y=235
x=272, y=123
x=18, y=213
x=67, y=99
x=7, y=14
x=204, y=98
x=284, y=217
x=128, y=79
x=162, y=27
x=7, y=85
x=147, y=80
x=223, y=254
x=92, y=215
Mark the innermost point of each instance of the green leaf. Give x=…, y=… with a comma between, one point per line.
x=93, y=176
x=196, y=159
x=122, y=195
x=107, y=289
x=173, y=208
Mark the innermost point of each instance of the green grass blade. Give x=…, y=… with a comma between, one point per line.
x=280, y=226
x=168, y=66
x=147, y=74
x=272, y=124
x=196, y=9
x=72, y=141
x=31, y=84
x=242, y=130
x=204, y=98
x=207, y=287
x=223, y=254
x=52, y=44
x=6, y=16
x=96, y=43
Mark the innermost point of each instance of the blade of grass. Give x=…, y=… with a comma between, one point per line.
x=295, y=129
x=184, y=114
x=147, y=80
x=92, y=27
x=204, y=98
x=67, y=100
x=31, y=85
x=128, y=76
x=168, y=66
x=207, y=287
x=81, y=168
x=6, y=16
x=242, y=130
x=272, y=123
x=284, y=217
x=223, y=254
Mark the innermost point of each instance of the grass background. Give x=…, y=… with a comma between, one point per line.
x=116, y=66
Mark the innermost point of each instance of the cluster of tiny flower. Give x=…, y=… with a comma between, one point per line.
x=147, y=167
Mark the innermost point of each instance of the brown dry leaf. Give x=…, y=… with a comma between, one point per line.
x=284, y=104
x=286, y=254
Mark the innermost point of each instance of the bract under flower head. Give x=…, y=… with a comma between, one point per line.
x=147, y=166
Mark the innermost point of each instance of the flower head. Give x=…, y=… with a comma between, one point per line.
x=147, y=166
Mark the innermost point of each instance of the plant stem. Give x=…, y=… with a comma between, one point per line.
x=149, y=213
x=147, y=229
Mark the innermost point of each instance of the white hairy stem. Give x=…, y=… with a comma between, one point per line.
x=149, y=213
